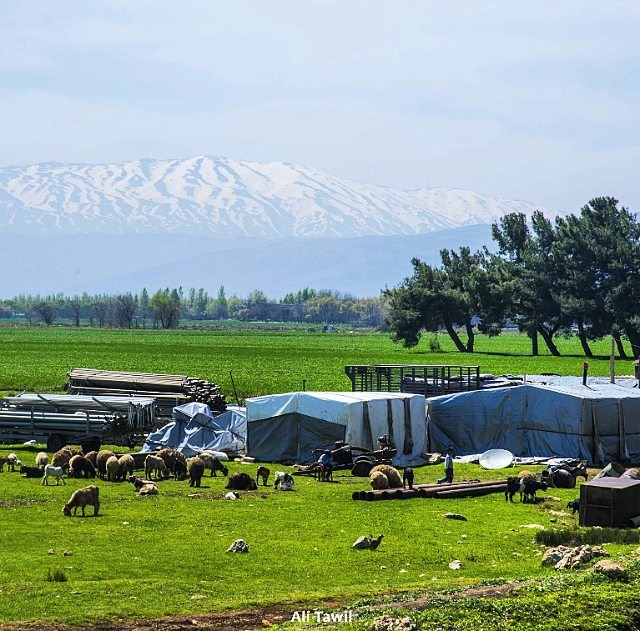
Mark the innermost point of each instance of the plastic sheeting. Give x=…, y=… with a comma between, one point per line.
x=597, y=423
x=195, y=429
x=288, y=427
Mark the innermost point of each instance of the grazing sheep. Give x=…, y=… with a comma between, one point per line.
x=101, y=461
x=61, y=458
x=196, y=471
x=180, y=470
x=73, y=450
x=42, y=460
x=169, y=458
x=92, y=458
x=213, y=463
x=88, y=496
x=378, y=481
x=13, y=462
x=3, y=461
x=81, y=466
x=283, y=481
x=31, y=472
x=526, y=474
x=53, y=472
x=127, y=465
x=113, y=469
x=395, y=481
x=263, y=473
x=153, y=464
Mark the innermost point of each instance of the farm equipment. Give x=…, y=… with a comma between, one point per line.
x=89, y=421
x=345, y=458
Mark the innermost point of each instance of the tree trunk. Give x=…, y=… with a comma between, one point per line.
x=583, y=339
x=470, y=336
x=548, y=340
x=621, y=352
x=634, y=339
x=454, y=336
x=534, y=342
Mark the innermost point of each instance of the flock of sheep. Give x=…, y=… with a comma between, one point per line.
x=104, y=464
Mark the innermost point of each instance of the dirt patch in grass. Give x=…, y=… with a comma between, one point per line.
x=19, y=502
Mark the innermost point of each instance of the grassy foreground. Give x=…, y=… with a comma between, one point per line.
x=262, y=361
x=146, y=557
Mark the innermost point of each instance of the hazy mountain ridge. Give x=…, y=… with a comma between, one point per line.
x=229, y=199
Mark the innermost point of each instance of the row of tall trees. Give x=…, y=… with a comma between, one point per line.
x=579, y=273
x=167, y=307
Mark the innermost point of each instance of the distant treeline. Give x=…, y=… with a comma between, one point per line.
x=166, y=308
x=579, y=274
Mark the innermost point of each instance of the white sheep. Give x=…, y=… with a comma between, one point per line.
x=13, y=462
x=153, y=464
x=53, y=472
x=42, y=460
x=113, y=469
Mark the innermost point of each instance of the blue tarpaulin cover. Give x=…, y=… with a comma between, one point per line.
x=195, y=429
x=598, y=422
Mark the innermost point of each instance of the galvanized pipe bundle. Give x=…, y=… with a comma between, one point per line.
x=436, y=491
x=168, y=390
x=140, y=411
x=55, y=421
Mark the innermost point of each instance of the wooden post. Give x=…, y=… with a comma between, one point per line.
x=612, y=361
x=585, y=371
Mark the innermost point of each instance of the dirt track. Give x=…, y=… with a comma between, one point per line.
x=240, y=620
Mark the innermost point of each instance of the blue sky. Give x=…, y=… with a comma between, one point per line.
x=537, y=101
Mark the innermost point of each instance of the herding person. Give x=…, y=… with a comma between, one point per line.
x=448, y=467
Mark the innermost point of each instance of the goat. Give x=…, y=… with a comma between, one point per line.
x=53, y=472
x=31, y=472
x=263, y=473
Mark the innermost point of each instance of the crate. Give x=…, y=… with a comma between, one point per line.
x=609, y=502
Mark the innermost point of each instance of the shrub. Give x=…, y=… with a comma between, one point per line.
x=56, y=576
x=582, y=536
x=434, y=344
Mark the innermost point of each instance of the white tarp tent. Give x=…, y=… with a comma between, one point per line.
x=597, y=423
x=288, y=427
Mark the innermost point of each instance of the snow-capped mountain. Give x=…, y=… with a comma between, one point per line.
x=228, y=198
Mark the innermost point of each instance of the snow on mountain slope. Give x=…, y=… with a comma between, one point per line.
x=227, y=198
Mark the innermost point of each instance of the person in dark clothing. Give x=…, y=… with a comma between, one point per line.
x=448, y=467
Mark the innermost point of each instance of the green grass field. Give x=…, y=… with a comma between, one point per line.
x=173, y=546
x=165, y=555
x=262, y=361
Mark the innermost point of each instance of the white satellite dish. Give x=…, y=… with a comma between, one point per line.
x=496, y=459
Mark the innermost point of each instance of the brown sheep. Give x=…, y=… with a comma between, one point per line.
x=241, y=481
x=127, y=465
x=91, y=457
x=3, y=461
x=395, y=481
x=88, y=496
x=263, y=473
x=378, y=481
x=74, y=451
x=113, y=469
x=169, y=458
x=81, y=466
x=101, y=461
x=196, y=471
x=61, y=458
